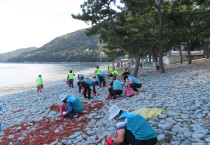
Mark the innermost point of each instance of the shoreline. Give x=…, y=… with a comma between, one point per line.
x=5, y=90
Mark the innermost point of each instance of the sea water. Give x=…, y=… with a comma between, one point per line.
x=20, y=73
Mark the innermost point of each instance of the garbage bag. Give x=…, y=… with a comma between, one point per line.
x=149, y=113
x=129, y=92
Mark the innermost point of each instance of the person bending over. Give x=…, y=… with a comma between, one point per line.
x=80, y=78
x=87, y=88
x=126, y=72
x=133, y=82
x=100, y=79
x=115, y=88
x=131, y=128
x=73, y=105
x=91, y=83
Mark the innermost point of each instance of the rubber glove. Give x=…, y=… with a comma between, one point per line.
x=109, y=141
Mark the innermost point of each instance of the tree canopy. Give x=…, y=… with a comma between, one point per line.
x=147, y=27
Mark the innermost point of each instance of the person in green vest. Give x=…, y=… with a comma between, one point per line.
x=72, y=105
x=132, y=128
x=109, y=69
x=114, y=74
x=70, y=78
x=98, y=71
x=39, y=83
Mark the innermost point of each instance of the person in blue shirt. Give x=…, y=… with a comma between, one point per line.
x=126, y=72
x=80, y=78
x=133, y=82
x=115, y=88
x=99, y=80
x=131, y=128
x=86, y=84
x=73, y=105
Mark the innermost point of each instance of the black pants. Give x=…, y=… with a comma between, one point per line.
x=87, y=88
x=130, y=138
x=134, y=86
x=102, y=80
x=115, y=92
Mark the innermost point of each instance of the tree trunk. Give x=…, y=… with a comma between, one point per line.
x=206, y=49
x=154, y=56
x=160, y=49
x=137, y=65
x=113, y=68
x=150, y=59
x=188, y=52
x=180, y=53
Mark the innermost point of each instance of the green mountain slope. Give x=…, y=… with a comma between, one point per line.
x=5, y=56
x=72, y=47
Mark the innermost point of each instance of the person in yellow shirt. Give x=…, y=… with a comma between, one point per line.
x=109, y=69
x=39, y=83
x=98, y=71
x=70, y=78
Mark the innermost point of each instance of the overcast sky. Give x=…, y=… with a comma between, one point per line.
x=27, y=23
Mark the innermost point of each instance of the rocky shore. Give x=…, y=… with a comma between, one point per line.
x=184, y=90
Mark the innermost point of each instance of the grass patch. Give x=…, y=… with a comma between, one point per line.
x=122, y=69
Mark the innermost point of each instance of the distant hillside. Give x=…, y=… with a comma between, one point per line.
x=5, y=56
x=72, y=47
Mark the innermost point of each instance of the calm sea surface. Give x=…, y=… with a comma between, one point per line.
x=16, y=73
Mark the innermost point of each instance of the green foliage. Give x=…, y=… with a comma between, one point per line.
x=5, y=56
x=67, y=48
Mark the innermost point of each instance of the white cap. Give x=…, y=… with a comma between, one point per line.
x=114, y=111
x=63, y=96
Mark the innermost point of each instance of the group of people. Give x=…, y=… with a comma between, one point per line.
x=116, y=86
x=131, y=128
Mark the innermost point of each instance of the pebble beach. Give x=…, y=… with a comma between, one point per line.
x=29, y=117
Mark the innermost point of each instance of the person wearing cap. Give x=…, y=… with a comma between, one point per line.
x=99, y=80
x=126, y=72
x=131, y=128
x=89, y=82
x=133, y=82
x=73, y=105
x=39, y=83
x=80, y=78
x=86, y=86
x=114, y=74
